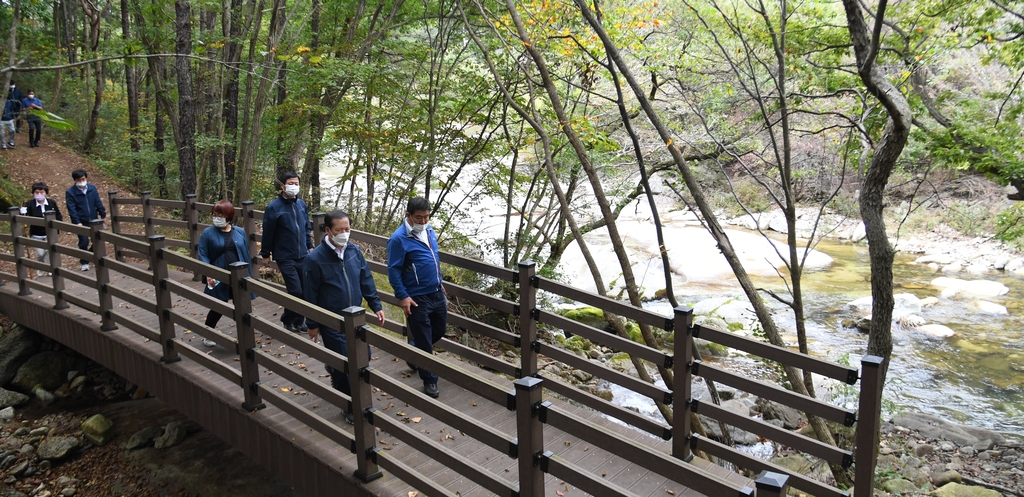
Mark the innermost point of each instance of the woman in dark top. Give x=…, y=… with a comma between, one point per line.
x=222, y=245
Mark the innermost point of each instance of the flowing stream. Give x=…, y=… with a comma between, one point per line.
x=975, y=377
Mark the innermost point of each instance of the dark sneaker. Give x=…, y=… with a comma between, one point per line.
x=431, y=390
x=301, y=328
x=290, y=327
x=412, y=367
x=348, y=417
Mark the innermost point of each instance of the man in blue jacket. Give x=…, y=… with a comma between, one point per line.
x=84, y=205
x=414, y=270
x=288, y=236
x=335, y=276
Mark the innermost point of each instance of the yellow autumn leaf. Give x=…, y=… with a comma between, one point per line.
x=416, y=419
x=286, y=389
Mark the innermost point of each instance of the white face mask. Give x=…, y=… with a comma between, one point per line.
x=82, y=184
x=418, y=228
x=40, y=197
x=219, y=222
x=340, y=239
x=291, y=190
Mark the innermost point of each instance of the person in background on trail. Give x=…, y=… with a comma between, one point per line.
x=335, y=276
x=35, y=123
x=15, y=97
x=414, y=270
x=84, y=205
x=37, y=207
x=7, y=125
x=288, y=236
x=222, y=245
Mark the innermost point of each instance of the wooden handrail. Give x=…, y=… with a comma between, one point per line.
x=522, y=310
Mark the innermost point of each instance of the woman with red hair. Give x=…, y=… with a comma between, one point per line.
x=222, y=245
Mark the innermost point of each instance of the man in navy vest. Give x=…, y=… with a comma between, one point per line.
x=84, y=205
x=288, y=237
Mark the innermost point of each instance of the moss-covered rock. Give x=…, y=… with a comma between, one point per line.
x=590, y=316
x=958, y=490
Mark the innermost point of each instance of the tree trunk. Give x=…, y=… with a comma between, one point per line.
x=232, y=55
x=186, y=109
x=12, y=41
x=95, y=17
x=131, y=82
x=254, y=123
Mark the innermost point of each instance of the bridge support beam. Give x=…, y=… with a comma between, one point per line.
x=357, y=366
x=99, y=250
x=249, y=223
x=115, y=220
x=192, y=213
x=682, y=326
x=530, y=443
x=19, y=251
x=870, y=408
x=527, y=322
x=246, y=337
x=52, y=239
x=163, y=299
x=771, y=484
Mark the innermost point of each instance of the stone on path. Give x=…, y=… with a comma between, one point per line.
x=143, y=437
x=98, y=429
x=900, y=486
x=7, y=414
x=173, y=435
x=943, y=477
x=11, y=399
x=57, y=448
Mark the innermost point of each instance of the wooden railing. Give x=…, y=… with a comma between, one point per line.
x=526, y=444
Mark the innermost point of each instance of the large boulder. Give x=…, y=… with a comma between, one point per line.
x=958, y=490
x=9, y=398
x=98, y=429
x=937, y=428
x=791, y=418
x=174, y=434
x=16, y=347
x=48, y=369
x=739, y=436
x=57, y=448
x=979, y=288
x=936, y=330
x=903, y=303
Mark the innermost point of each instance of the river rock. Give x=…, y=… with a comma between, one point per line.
x=959, y=490
x=936, y=258
x=929, y=301
x=1014, y=265
x=47, y=369
x=7, y=414
x=173, y=435
x=980, y=288
x=98, y=429
x=903, y=303
x=711, y=322
x=943, y=477
x=936, y=330
x=729, y=309
x=899, y=486
x=938, y=428
x=791, y=418
x=10, y=399
x=57, y=448
x=16, y=347
x=989, y=307
x=739, y=436
x=143, y=437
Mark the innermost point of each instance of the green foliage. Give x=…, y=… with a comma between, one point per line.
x=1010, y=226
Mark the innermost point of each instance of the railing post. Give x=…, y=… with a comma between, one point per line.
x=163, y=298
x=358, y=369
x=771, y=484
x=246, y=337
x=192, y=213
x=868, y=424
x=530, y=431
x=19, y=251
x=115, y=221
x=318, y=227
x=527, y=322
x=682, y=350
x=249, y=224
x=99, y=250
x=147, y=214
x=52, y=239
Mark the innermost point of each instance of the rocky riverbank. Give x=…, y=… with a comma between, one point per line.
x=70, y=427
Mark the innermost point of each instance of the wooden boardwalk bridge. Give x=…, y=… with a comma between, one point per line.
x=502, y=425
